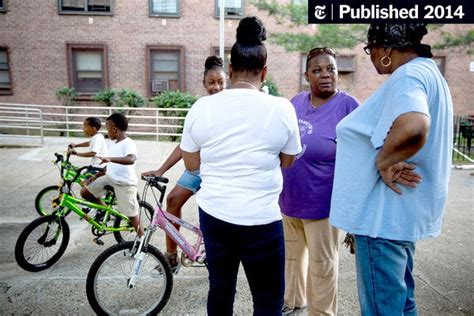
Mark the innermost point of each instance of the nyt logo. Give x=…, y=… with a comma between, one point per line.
x=320, y=12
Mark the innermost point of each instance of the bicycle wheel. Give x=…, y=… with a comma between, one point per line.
x=146, y=215
x=42, y=243
x=107, y=282
x=45, y=198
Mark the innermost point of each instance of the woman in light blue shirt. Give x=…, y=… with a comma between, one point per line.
x=392, y=167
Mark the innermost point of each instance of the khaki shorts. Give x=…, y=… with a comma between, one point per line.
x=126, y=194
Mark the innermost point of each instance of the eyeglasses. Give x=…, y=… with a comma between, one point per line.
x=320, y=51
x=367, y=49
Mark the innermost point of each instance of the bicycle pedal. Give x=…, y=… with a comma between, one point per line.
x=98, y=242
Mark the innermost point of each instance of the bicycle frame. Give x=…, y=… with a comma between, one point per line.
x=165, y=221
x=70, y=202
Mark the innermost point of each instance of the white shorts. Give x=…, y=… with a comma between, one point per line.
x=126, y=194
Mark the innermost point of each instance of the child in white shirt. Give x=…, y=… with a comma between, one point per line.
x=120, y=171
x=97, y=145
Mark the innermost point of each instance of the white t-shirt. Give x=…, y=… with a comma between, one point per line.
x=240, y=134
x=122, y=173
x=97, y=144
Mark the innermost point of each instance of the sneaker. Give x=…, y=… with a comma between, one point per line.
x=173, y=261
x=286, y=310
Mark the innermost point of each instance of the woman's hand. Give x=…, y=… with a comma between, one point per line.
x=156, y=173
x=401, y=173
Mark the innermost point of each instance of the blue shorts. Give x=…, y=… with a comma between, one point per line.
x=190, y=180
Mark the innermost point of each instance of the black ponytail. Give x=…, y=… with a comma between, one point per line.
x=213, y=62
x=248, y=52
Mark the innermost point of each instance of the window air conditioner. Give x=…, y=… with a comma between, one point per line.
x=159, y=85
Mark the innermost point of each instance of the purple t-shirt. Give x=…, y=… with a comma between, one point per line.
x=307, y=185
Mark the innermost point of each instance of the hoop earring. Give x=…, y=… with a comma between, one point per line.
x=389, y=61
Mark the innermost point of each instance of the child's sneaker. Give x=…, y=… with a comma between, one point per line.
x=173, y=261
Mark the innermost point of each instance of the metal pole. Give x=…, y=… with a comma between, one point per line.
x=157, y=125
x=27, y=122
x=41, y=127
x=221, y=28
x=67, y=121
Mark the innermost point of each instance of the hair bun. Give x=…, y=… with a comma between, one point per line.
x=251, y=31
x=213, y=61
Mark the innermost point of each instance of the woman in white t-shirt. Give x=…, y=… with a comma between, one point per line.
x=239, y=138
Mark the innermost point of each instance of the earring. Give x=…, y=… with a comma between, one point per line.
x=387, y=64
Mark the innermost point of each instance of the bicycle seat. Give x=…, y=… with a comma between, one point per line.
x=109, y=188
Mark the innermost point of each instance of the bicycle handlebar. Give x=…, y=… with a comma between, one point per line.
x=153, y=179
x=58, y=157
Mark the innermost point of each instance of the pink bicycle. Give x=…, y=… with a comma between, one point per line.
x=134, y=277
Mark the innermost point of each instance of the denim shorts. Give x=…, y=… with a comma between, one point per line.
x=190, y=180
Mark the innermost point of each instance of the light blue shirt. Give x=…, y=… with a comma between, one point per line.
x=361, y=203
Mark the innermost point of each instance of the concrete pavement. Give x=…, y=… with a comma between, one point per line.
x=444, y=267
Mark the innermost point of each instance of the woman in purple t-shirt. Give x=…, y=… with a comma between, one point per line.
x=307, y=187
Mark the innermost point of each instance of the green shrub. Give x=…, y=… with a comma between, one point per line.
x=107, y=97
x=174, y=99
x=130, y=98
x=66, y=95
x=272, y=87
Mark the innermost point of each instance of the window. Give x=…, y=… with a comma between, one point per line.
x=232, y=8
x=5, y=79
x=166, y=69
x=3, y=6
x=96, y=7
x=304, y=85
x=440, y=62
x=87, y=68
x=345, y=64
x=164, y=7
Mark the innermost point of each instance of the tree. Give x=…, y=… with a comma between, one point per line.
x=463, y=41
x=338, y=35
x=294, y=15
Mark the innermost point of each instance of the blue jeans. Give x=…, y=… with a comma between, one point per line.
x=260, y=248
x=385, y=276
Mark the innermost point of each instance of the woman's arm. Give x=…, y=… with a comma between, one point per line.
x=192, y=161
x=407, y=136
x=286, y=160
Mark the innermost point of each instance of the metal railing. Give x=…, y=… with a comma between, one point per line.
x=463, y=136
x=142, y=121
x=15, y=119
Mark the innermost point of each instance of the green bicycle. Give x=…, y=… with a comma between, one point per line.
x=48, y=198
x=42, y=243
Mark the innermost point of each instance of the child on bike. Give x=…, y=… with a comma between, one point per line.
x=214, y=81
x=120, y=171
x=97, y=145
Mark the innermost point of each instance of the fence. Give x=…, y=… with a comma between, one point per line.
x=67, y=121
x=156, y=122
x=25, y=119
x=463, y=135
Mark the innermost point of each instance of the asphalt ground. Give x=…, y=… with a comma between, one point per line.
x=444, y=267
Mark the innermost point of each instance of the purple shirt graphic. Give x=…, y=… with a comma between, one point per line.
x=307, y=185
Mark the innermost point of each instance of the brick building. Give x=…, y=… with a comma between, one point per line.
x=152, y=45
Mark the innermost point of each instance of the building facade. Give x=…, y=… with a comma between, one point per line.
x=156, y=45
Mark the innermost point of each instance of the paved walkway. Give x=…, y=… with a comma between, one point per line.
x=444, y=267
